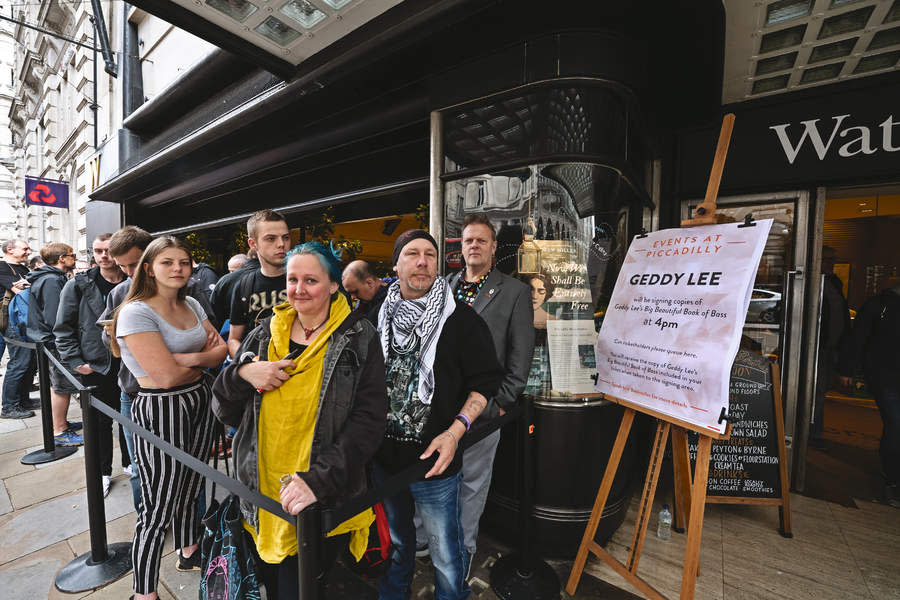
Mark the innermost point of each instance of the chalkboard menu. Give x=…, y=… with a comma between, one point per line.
x=747, y=464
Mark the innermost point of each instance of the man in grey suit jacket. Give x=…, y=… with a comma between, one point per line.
x=505, y=305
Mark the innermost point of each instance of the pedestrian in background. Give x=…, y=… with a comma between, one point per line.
x=20, y=369
x=47, y=283
x=166, y=341
x=369, y=290
x=874, y=344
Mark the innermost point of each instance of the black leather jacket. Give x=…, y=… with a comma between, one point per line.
x=351, y=416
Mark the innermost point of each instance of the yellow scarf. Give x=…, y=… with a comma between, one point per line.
x=287, y=422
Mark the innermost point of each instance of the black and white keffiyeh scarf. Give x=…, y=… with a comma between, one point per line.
x=422, y=319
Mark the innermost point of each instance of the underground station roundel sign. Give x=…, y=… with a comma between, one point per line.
x=46, y=192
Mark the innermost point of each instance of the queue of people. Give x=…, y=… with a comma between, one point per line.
x=330, y=381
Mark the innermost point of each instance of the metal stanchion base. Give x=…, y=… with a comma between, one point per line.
x=83, y=575
x=510, y=584
x=39, y=457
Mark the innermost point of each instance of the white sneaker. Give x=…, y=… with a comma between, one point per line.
x=106, y=484
x=127, y=470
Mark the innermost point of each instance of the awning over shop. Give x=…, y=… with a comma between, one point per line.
x=291, y=37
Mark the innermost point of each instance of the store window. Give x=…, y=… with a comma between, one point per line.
x=551, y=237
x=557, y=168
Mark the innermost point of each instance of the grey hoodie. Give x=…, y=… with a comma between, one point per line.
x=46, y=287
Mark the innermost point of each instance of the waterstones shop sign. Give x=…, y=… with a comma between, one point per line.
x=838, y=137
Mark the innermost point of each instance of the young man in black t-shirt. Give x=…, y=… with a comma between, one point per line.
x=17, y=382
x=260, y=289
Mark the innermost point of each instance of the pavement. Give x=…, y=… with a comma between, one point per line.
x=837, y=552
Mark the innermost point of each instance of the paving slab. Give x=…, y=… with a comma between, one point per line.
x=8, y=425
x=5, y=504
x=18, y=440
x=32, y=576
x=11, y=463
x=117, y=530
x=53, y=521
x=57, y=479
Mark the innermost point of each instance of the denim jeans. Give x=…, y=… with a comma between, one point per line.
x=19, y=372
x=887, y=397
x=125, y=402
x=437, y=504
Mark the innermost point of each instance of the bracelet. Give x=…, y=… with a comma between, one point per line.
x=456, y=441
x=464, y=420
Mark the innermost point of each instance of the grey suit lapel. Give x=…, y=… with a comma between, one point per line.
x=489, y=291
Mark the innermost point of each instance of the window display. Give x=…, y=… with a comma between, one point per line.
x=549, y=236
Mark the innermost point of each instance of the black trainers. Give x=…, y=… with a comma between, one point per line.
x=186, y=565
x=16, y=412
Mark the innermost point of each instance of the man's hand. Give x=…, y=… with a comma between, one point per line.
x=84, y=369
x=446, y=443
x=265, y=375
x=296, y=496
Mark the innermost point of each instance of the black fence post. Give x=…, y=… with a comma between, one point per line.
x=105, y=563
x=520, y=575
x=309, y=549
x=51, y=451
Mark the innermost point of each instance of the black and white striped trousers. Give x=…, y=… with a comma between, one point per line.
x=169, y=490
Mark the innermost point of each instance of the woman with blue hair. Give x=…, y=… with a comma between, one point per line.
x=307, y=395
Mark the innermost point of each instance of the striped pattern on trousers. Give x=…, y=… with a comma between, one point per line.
x=169, y=490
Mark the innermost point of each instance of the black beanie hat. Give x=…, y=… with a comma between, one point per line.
x=408, y=236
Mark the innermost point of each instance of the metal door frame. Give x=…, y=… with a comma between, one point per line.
x=795, y=358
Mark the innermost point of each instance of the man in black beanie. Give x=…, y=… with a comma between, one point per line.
x=440, y=369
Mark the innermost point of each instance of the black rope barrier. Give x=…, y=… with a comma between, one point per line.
x=108, y=561
x=50, y=452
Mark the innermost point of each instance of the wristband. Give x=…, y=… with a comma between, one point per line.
x=464, y=420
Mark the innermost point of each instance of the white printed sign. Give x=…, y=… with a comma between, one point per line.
x=674, y=321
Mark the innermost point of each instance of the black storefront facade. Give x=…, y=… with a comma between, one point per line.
x=831, y=156
x=594, y=123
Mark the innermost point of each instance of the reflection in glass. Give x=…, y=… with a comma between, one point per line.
x=277, y=31
x=304, y=12
x=238, y=10
x=558, y=232
x=763, y=326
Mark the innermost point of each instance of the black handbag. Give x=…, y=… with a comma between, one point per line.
x=227, y=566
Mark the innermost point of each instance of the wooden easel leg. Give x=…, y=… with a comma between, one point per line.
x=645, y=508
x=600, y=503
x=695, y=521
x=681, y=464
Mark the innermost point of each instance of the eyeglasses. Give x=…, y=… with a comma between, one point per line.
x=72, y=255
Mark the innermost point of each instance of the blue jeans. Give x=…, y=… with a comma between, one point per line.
x=125, y=403
x=887, y=397
x=437, y=504
x=19, y=372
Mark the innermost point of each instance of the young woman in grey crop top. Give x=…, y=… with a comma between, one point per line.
x=167, y=342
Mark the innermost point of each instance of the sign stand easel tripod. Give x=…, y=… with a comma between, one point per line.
x=690, y=496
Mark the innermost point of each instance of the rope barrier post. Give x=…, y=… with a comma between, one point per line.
x=105, y=563
x=520, y=575
x=51, y=451
x=309, y=549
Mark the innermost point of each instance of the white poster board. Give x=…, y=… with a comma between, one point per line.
x=674, y=321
